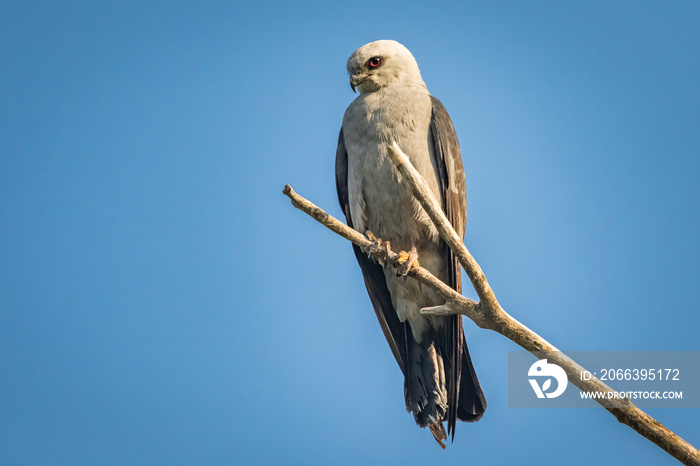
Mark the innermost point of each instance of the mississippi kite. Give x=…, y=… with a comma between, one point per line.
x=440, y=383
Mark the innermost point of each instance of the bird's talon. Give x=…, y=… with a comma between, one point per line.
x=406, y=262
x=375, y=243
x=378, y=245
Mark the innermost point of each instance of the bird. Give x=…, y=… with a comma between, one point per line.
x=394, y=105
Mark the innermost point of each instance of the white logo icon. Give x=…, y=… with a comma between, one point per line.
x=542, y=369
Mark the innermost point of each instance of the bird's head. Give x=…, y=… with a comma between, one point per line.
x=382, y=63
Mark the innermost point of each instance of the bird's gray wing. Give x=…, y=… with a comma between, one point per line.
x=394, y=330
x=451, y=180
x=465, y=398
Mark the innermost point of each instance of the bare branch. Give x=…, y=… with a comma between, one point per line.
x=490, y=315
x=469, y=307
x=498, y=320
x=422, y=192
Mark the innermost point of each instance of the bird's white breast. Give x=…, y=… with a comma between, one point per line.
x=379, y=201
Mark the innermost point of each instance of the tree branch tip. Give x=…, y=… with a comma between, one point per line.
x=441, y=310
x=287, y=190
x=395, y=153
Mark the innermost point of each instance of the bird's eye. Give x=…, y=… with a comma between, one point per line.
x=374, y=62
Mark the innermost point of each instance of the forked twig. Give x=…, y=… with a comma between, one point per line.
x=489, y=314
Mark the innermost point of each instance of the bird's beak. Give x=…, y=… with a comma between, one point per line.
x=356, y=80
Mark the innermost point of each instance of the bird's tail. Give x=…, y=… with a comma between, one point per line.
x=426, y=383
x=472, y=402
x=424, y=386
x=438, y=431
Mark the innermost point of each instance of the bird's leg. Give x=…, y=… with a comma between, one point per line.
x=407, y=261
x=378, y=245
x=376, y=242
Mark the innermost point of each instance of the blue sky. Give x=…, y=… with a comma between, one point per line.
x=162, y=303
